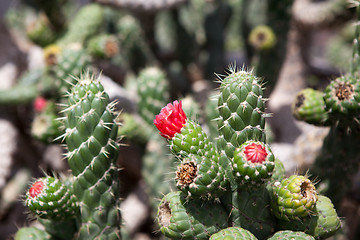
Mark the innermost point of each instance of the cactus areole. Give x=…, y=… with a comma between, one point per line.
x=171, y=120
x=36, y=189
x=255, y=153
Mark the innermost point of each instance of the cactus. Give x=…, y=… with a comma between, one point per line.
x=321, y=225
x=90, y=200
x=189, y=219
x=197, y=153
x=291, y=235
x=250, y=209
x=32, y=233
x=241, y=172
x=233, y=233
x=293, y=197
x=336, y=106
x=103, y=46
x=153, y=92
x=241, y=109
x=85, y=24
x=91, y=140
x=50, y=199
x=224, y=181
x=309, y=106
x=253, y=163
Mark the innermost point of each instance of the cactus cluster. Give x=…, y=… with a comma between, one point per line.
x=239, y=177
x=211, y=173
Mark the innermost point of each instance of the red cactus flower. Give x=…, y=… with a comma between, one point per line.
x=170, y=120
x=36, y=189
x=255, y=153
x=40, y=104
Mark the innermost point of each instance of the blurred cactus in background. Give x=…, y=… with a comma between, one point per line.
x=87, y=86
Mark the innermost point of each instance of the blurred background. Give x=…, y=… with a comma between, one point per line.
x=290, y=44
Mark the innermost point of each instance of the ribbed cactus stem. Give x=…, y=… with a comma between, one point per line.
x=92, y=152
x=241, y=108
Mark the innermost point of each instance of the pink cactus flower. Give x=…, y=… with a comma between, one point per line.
x=40, y=104
x=255, y=153
x=171, y=120
x=36, y=189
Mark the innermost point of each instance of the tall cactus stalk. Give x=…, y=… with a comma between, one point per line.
x=92, y=152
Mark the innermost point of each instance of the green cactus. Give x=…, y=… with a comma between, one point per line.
x=85, y=25
x=291, y=235
x=153, y=92
x=233, y=233
x=50, y=199
x=253, y=163
x=198, y=176
x=187, y=138
x=92, y=150
x=180, y=218
x=293, y=197
x=309, y=106
x=70, y=61
x=87, y=204
x=241, y=108
x=342, y=97
x=41, y=32
x=103, y=46
x=32, y=233
x=322, y=224
x=250, y=209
